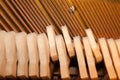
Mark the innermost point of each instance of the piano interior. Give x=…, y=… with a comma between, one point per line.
x=59, y=40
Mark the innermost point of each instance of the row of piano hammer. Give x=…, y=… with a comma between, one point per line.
x=29, y=55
